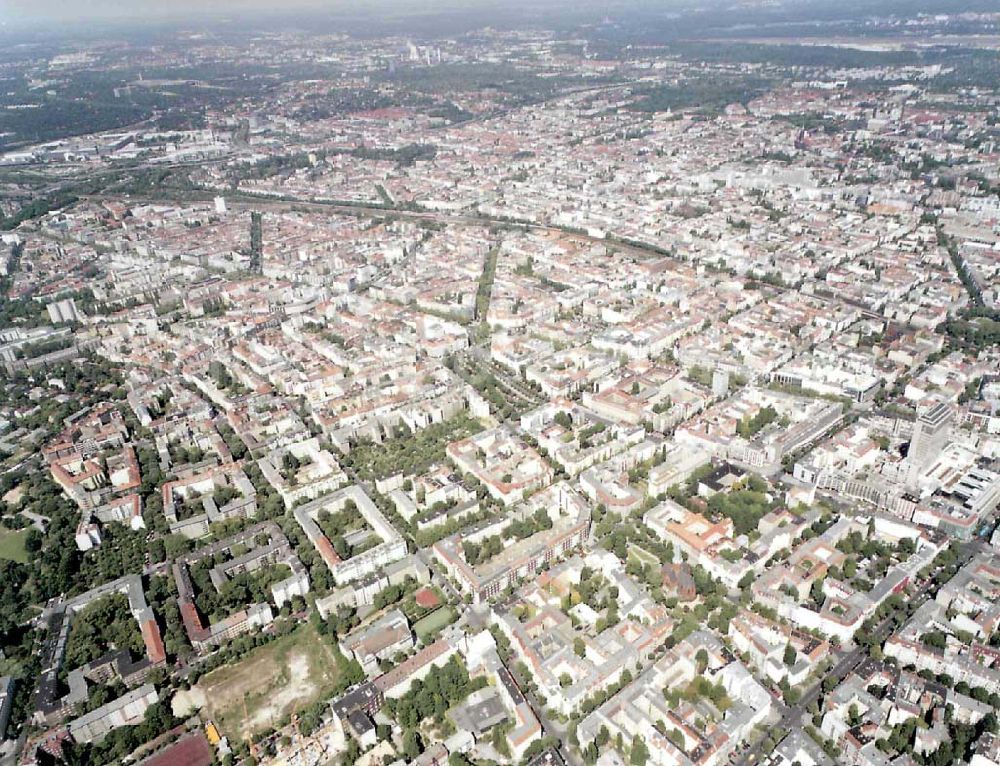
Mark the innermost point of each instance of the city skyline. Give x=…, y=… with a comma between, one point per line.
x=488, y=384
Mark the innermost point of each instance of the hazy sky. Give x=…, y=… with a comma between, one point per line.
x=19, y=12
x=30, y=12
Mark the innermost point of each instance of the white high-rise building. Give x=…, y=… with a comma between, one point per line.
x=720, y=383
x=931, y=433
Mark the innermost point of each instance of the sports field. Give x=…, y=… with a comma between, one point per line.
x=430, y=625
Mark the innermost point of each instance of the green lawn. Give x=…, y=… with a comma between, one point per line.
x=433, y=623
x=12, y=544
x=642, y=555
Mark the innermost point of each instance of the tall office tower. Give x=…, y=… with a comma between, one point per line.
x=720, y=383
x=930, y=436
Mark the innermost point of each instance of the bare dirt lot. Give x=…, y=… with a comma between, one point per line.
x=272, y=682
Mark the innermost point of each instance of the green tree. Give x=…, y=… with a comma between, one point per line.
x=412, y=744
x=790, y=655
x=640, y=753
x=33, y=541
x=701, y=658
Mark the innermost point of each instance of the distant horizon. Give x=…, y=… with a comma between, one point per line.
x=25, y=13
x=56, y=15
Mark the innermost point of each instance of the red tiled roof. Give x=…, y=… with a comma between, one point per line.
x=154, y=643
x=191, y=619
x=426, y=598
